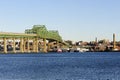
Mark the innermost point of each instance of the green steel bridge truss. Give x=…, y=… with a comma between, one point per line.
x=39, y=31
x=42, y=32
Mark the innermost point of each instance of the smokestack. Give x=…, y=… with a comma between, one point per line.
x=114, y=42
x=96, y=39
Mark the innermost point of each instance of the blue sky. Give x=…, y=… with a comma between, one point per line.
x=74, y=19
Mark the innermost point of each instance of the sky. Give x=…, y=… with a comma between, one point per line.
x=76, y=20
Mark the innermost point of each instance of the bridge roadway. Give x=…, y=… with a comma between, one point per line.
x=24, y=42
x=11, y=34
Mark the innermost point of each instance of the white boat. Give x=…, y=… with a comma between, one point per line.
x=83, y=50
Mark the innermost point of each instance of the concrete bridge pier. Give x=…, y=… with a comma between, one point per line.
x=24, y=44
x=35, y=45
x=48, y=47
x=28, y=46
x=5, y=45
x=21, y=45
x=36, y=41
x=57, y=44
x=44, y=45
x=14, y=49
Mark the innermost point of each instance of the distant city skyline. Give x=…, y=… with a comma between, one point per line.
x=74, y=19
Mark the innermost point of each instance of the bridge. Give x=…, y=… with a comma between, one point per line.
x=33, y=40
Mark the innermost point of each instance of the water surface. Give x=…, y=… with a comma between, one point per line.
x=60, y=66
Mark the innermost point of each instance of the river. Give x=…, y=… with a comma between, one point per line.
x=60, y=66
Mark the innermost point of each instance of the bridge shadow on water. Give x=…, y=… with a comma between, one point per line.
x=60, y=66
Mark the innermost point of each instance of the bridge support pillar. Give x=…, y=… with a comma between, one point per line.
x=5, y=45
x=34, y=45
x=28, y=46
x=24, y=45
x=36, y=41
x=48, y=48
x=14, y=50
x=21, y=45
x=57, y=44
x=44, y=47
